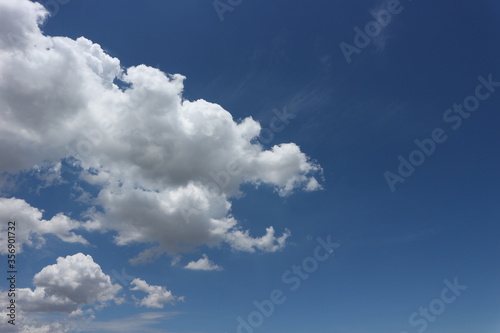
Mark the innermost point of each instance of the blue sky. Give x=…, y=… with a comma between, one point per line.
x=326, y=152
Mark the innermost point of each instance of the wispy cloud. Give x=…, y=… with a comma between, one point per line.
x=142, y=322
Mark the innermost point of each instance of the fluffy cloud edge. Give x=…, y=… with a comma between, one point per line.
x=157, y=296
x=203, y=264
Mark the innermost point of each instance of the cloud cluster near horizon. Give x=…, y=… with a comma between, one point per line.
x=76, y=286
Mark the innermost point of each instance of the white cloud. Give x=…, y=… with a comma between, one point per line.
x=167, y=168
x=30, y=226
x=68, y=295
x=241, y=240
x=175, y=260
x=72, y=282
x=313, y=185
x=157, y=295
x=203, y=264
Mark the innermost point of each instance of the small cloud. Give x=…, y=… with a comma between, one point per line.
x=157, y=295
x=313, y=185
x=146, y=256
x=143, y=322
x=157, y=315
x=203, y=264
x=175, y=261
x=242, y=241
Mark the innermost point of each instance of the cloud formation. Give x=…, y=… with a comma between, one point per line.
x=72, y=282
x=166, y=168
x=143, y=322
x=203, y=264
x=157, y=295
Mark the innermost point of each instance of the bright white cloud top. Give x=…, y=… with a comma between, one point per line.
x=73, y=282
x=166, y=167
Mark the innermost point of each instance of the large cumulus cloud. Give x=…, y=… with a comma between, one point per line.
x=166, y=168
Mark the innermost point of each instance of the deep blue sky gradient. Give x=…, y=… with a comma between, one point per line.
x=355, y=120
